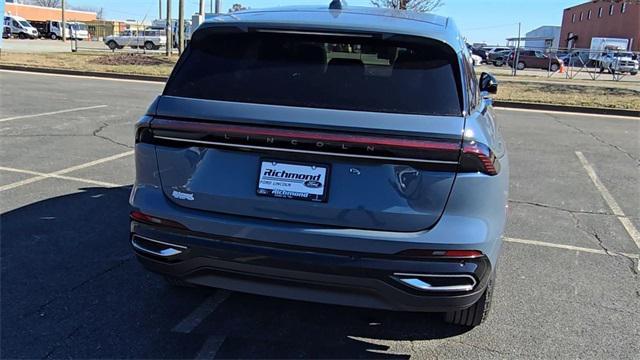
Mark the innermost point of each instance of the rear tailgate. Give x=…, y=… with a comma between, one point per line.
x=367, y=128
x=381, y=190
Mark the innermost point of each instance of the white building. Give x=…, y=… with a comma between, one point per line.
x=543, y=38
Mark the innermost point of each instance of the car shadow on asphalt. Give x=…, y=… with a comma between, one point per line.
x=63, y=259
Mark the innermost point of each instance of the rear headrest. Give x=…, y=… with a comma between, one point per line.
x=410, y=60
x=311, y=54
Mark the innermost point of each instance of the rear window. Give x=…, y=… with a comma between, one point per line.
x=364, y=73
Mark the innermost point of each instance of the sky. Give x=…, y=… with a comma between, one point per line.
x=490, y=21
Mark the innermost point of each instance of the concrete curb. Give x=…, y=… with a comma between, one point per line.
x=566, y=108
x=503, y=104
x=85, y=73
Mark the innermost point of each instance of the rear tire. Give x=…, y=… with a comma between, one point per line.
x=476, y=313
x=149, y=45
x=554, y=67
x=53, y=36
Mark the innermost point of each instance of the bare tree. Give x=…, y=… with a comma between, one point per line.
x=413, y=5
x=237, y=7
x=98, y=10
x=47, y=3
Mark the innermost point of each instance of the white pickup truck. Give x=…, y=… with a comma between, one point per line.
x=619, y=62
x=147, y=39
x=611, y=54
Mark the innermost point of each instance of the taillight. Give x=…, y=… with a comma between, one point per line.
x=478, y=157
x=442, y=154
x=419, y=253
x=143, y=133
x=150, y=219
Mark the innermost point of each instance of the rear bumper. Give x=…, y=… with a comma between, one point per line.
x=334, y=277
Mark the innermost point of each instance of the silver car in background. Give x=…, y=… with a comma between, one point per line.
x=340, y=155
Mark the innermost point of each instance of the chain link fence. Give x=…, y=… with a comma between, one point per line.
x=567, y=63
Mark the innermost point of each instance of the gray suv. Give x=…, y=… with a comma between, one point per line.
x=346, y=156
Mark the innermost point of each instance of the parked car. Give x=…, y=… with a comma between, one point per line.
x=498, y=58
x=576, y=58
x=290, y=162
x=492, y=49
x=477, y=60
x=618, y=62
x=148, y=39
x=478, y=52
x=535, y=59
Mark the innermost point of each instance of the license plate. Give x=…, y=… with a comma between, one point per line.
x=293, y=181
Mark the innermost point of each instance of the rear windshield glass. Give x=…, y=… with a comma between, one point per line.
x=321, y=71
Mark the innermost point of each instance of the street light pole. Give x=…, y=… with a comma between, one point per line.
x=217, y=6
x=159, y=9
x=64, y=27
x=169, y=46
x=516, y=56
x=202, y=7
x=180, y=26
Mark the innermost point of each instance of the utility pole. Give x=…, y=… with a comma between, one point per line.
x=217, y=6
x=202, y=8
x=516, y=56
x=211, y=6
x=63, y=29
x=180, y=26
x=159, y=9
x=169, y=46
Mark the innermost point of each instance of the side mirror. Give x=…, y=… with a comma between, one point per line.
x=488, y=83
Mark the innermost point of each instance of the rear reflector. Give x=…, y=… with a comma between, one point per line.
x=149, y=219
x=419, y=253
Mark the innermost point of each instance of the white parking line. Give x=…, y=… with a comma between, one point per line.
x=210, y=347
x=57, y=174
x=200, y=313
x=611, y=202
x=93, y=163
x=567, y=247
x=52, y=113
x=46, y=175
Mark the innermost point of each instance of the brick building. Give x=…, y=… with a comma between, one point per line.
x=614, y=19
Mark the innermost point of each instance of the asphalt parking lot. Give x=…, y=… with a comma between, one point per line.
x=568, y=282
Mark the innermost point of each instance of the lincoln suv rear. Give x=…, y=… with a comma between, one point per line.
x=346, y=156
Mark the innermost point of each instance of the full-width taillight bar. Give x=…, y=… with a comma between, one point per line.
x=242, y=130
x=467, y=156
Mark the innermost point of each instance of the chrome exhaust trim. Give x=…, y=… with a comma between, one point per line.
x=421, y=282
x=160, y=248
